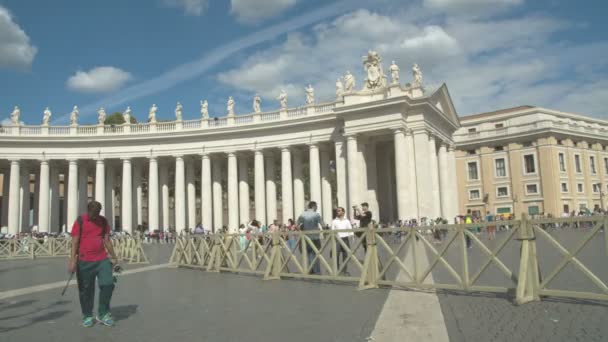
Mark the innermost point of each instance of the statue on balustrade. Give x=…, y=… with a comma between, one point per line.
x=178, y=112
x=205, y=109
x=373, y=67
x=127, y=115
x=46, y=116
x=15, y=116
x=257, y=100
x=394, y=69
x=349, y=82
x=283, y=99
x=230, y=105
x=339, y=88
x=74, y=116
x=152, y=114
x=417, y=73
x=101, y=116
x=310, y=95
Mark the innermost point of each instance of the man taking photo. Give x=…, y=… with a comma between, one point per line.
x=364, y=215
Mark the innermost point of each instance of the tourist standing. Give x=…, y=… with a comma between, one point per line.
x=310, y=220
x=364, y=215
x=343, y=226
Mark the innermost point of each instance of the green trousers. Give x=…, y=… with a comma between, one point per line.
x=87, y=272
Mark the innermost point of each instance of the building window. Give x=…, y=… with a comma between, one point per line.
x=502, y=191
x=499, y=125
x=472, y=168
x=533, y=210
x=582, y=206
x=564, y=187
x=562, y=162
x=499, y=148
x=471, y=152
x=472, y=131
x=596, y=188
x=529, y=164
x=501, y=170
x=566, y=208
x=592, y=165
x=606, y=166
x=474, y=194
x=580, y=188
x=577, y=163
x=531, y=189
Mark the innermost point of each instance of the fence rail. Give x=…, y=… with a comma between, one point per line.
x=453, y=257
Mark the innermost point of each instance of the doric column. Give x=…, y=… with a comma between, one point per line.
x=298, y=185
x=326, y=188
x=315, y=176
x=36, y=202
x=83, y=187
x=424, y=178
x=153, y=207
x=286, y=185
x=14, y=213
x=233, y=193
x=24, y=197
x=191, y=194
x=271, y=188
x=126, y=197
x=72, y=212
x=372, y=178
x=164, y=189
x=139, y=195
x=54, y=199
x=412, y=185
x=218, y=209
x=110, y=196
x=180, y=195
x=260, y=187
x=353, y=172
x=454, y=202
x=100, y=184
x=444, y=185
x=434, y=176
x=206, y=192
x=243, y=189
x=341, y=175
x=43, y=197
x=402, y=176
x=5, y=194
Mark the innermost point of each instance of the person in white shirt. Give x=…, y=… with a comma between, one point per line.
x=342, y=225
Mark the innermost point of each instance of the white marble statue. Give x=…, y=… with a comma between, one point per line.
x=394, y=69
x=339, y=88
x=74, y=116
x=204, y=109
x=127, y=115
x=257, y=101
x=230, y=105
x=15, y=116
x=310, y=95
x=178, y=112
x=152, y=114
x=349, y=82
x=373, y=67
x=283, y=99
x=46, y=116
x=417, y=73
x=101, y=116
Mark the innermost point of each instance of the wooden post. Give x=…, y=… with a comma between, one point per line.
x=528, y=284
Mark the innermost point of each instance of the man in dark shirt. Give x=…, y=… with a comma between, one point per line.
x=365, y=218
x=310, y=220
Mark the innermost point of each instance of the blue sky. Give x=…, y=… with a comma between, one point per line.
x=491, y=53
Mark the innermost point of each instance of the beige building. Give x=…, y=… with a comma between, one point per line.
x=531, y=160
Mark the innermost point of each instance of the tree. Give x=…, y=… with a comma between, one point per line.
x=117, y=119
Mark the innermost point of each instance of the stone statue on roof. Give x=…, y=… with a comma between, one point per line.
x=46, y=116
x=257, y=101
x=101, y=116
x=373, y=68
x=127, y=115
x=178, y=112
x=230, y=106
x=417, y=74
x=152, y=113
x=394, y=69
x=74, y=116
x=310, y=95
x=204, y=109
x=349, y=82
x=15, y=116
x=283, y=99
x=339, y=87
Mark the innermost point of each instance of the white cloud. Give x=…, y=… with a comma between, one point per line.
x=253, y=11
x=463, y=6
x=98, y=80
x=16, y=50
x=191, y=7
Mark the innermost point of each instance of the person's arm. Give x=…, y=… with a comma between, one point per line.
x=75, y=245
x=107, y=243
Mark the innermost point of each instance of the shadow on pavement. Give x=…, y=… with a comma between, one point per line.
x=123, y=312
x=4, y=307
x=50, y=316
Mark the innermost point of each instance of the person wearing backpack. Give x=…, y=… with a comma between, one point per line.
x=89, y=259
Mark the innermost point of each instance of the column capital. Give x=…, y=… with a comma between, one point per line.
x=451, y=148
x=350, y=136
x=285, y=148
x=72, y=161
x=125, y=159
x=205, y=155
x=258, y=151
x=398, y=130
x=44, y=162
x=421, y=132
x=443, y=144
x=153, y=158
x=231, y=154
x=179, y=157
x=313, y=145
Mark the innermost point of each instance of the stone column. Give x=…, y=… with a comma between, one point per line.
x=372, y=178
x=424, y=178
x=43, y=197
x=444, y=185
x=353, y=172
x=14, y=213
x=164, y=189
x=54, y=199
x=206, y=193
x=72, y=212
x=139, y=195
x=218, y=209
x=326, y=188
x=110, y=196
x=24, y=198
x=36, y=202
x=434, y=177
x=191, y=190
x=260, y=188
x=341, y=175
x=126, y=197
x=243, y=189
x=286, y=185
x=402, y=176
x=315, y=176
x=298, y=185
x=100, y=184
x=153, y=207
x=83, y=188
x=271, y=188
x=180, y=195
x=412, y=185
x=5, y=194
x=233, y=193
x=454, y=202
